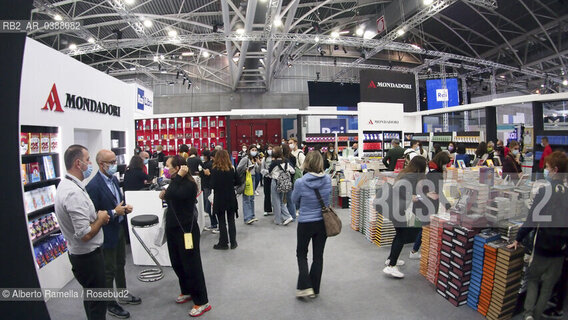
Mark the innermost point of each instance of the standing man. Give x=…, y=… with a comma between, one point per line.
x=547, y=151
x=395, y=153
x=355, y=148
x=105, y=193
x=297, y=152
x=80, y=224
x=146, y=157
x=159, y=154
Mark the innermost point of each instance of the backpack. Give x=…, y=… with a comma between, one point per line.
x=407, y=158
x=283, y=180
x=298, y=171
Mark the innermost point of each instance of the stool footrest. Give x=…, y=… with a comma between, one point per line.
x=150, y=275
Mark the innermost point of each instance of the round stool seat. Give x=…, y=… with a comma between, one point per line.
x=144, y=220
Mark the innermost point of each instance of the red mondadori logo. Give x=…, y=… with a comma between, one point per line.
x=53, y=102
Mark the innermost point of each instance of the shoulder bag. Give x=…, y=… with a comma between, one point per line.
x=330, y=218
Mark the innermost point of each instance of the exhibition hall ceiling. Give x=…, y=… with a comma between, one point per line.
x=506, y=45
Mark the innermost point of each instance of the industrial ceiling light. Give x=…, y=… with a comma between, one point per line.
x=360, y=31
x=369, y=34
x=172, y=33
x=565, y=82
x=277, y=22
x=73, y=46
x=148, y=23
x=132, y=69
x=163, y=71
x=162, y=57
x=240, y=31
x=335, y=34
x=317, y=39
x=188, y=84
x=57, y=17
x=129, y=1
x=156, y=58
x=187, y=53
x=400, y=31
x=335, y=47
x=427, y=2
x=91, y=40
x=344, y=50
x=205, y=54
x=177, y=75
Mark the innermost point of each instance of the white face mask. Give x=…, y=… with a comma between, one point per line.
x=515, y=152
x=244, y=149
x=291, y=146
x=331, y=150
x=269, y=152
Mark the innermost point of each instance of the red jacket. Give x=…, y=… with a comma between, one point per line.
x=547, y=151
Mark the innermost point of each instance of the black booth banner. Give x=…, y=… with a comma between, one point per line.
x=388, y=86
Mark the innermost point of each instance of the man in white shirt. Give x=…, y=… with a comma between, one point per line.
x=297, y=152
x=81, y=226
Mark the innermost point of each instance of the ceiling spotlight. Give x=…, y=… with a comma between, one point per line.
x=236, y=59
x=262, y=50
x=162, y=57
x=369, y=34
x=277, y=22
x=502, y=76
x=187, y=53
x=565, y=82
x=427, y=2
x=163, y=71
x=400, y=31
x=360, y=31
x=73, y=46
x=344, y=50
x=129, y=1
x=172, y=33
x=415, y=46
x=91, y=40
x=183, y=82
x=335, y=34
x=177, y=75
x=240, y=31
x=156, y=58
x=317, y=39
x=57, y=17
x=148, y=23
x=205, y=54
x=542, y=85
x=132, y=69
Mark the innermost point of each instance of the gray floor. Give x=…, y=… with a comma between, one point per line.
x=258, y=279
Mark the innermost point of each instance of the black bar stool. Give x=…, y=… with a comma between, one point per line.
x=147, y=221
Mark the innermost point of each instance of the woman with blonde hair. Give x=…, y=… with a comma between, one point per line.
x=314, y=186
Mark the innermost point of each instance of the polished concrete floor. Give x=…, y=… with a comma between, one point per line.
x=258, y=281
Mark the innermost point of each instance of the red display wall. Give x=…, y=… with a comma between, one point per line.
x=255, y=131
x=199, y=132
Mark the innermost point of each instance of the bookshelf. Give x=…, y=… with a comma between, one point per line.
x=204, y=132
x=40, y=172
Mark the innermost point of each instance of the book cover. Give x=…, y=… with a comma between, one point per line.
x=213, y=123
x=48, y=167
x=34, y=172
x=221, y=123
x=24, y=175
x=44, y=142
x=24, y=143
x=34, y=143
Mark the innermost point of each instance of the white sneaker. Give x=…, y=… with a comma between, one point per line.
x=206, y=228
x=216, y=230
x=196, y=311
x=415, y=255
x=253, y=220
x=393, y=272
x=529, y=317
x=287, y=221
x=265, y=214
x=398, y=262
x=256, y=193
x=305, y=293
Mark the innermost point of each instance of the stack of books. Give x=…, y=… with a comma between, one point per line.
x=355, y=208
x=509, y=229
x=436, y=230
x=456, y=260
x=424, y=250
x=489, y=263
x=507, y=283
x=477, y=270
x=384, y=232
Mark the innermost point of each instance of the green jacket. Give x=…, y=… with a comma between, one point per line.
x=392, y=155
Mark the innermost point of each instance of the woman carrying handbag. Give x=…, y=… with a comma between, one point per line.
x=183, y=235
x=311, y=226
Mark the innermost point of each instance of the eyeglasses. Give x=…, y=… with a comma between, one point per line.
x=110, y=162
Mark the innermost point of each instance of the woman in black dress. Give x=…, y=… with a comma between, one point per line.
x=181, y=221
x=224, y=179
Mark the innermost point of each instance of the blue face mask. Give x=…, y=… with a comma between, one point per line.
x=145, y=161
x=88, y=171
x=112, y=169
x=515, y=152
x=546, y=174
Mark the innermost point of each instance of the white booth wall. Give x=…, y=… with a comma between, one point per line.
x=45, y=68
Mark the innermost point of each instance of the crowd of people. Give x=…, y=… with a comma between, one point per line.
x=92, y=216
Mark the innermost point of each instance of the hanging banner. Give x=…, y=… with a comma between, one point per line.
x=388, y=86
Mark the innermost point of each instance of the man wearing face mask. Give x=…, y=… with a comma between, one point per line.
x=81, y=224
x=145, y=157
x=105, y=193
x=545, y=153
x=265, y=172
